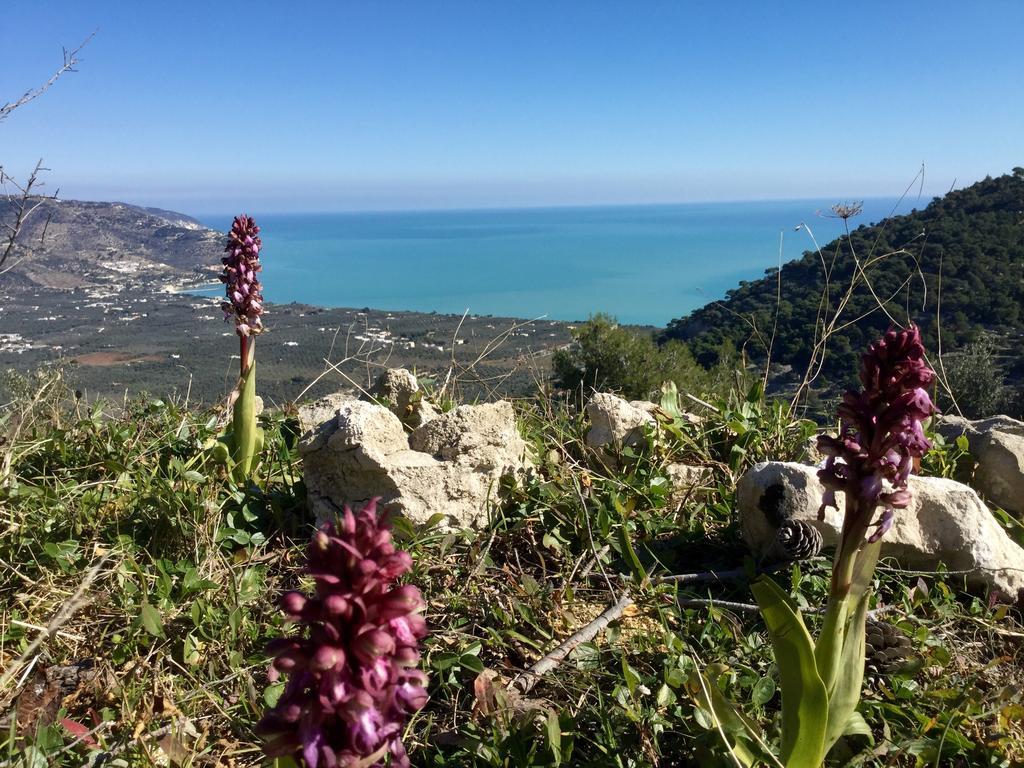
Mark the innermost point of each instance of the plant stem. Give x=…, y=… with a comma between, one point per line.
x=244, y=347
x=829, y=647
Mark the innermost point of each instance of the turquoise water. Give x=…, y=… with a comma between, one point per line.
x=644, y=264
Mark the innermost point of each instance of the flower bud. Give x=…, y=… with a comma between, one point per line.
x=397, y=602
x=336, y=605
x=353, y=680
x=327, y=657
x=293, y=602
x=373, y=643
x=245, y=300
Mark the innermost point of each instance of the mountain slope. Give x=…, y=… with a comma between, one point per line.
x=88, y=244
x=963, y=254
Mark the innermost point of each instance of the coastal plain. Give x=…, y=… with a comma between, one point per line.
x=118, y=295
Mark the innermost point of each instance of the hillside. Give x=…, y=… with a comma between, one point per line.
x=963, y=253
x=90, y=244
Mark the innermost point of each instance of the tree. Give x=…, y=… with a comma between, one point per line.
x=607, y=357
x=976, y=381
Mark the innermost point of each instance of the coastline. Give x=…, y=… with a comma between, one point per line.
x=645, y=265
x=176, y=342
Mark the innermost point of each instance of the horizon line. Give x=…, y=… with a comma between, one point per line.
x=552, y=207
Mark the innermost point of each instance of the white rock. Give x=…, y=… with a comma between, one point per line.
x=616, y=423
x=471, y=431
x=354, y=450
x=400, y=389
x=945, y=523
x=688, y=481
x=998, y=445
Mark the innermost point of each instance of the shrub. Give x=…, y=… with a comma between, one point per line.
x=976, y=380
x=606, y=356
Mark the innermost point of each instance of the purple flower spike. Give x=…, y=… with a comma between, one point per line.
x=241, y=286
x=352, y=677
x=880, y=433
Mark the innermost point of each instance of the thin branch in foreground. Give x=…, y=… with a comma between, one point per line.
x=528, y=679
x=61, y=617
x=71, y=60
x=525, y=682
x=22, y=202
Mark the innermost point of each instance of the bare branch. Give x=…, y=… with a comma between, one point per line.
x=17, y=204
x=530, y=677
x=71, y=60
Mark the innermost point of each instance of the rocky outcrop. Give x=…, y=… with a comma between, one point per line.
x=616, y=423
x=447, y=470
x=997, y=443
x=399, y=390
x=945, y=523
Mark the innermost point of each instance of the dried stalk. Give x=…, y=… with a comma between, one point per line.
x=528, y=679
x=71, y=60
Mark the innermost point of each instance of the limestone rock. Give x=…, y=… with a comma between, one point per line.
x=616, y=423
x=687, y=481
x=368, y=429
x=400, y=390
x=353, y=450
x=812, y=455
x=945, y=523
x=484, y=433
x=998, y=445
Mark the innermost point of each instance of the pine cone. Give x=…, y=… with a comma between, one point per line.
x=888, y=651
x=798, y=540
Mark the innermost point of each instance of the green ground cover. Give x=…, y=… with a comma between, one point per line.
x=138, y=588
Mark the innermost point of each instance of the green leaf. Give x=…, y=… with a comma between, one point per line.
x=804, y=699
x=272, y=693
x=250, y=586
x=435, y=519
x=151, y=620
x=714, y=711
x=639, y=574
x=845, y=694
x=190, y=653
x=864, y=568
x=631, y=676
x=551, y=542
x=670, y=400
x=665, y=696
x=858, y=726
x=555, y=736
x=763, y=691
x=705, y=719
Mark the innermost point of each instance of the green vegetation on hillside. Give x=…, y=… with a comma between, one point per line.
x=961, y=259
x=606, y=357
x=157, y=578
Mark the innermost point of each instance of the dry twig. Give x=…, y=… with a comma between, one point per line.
x=528, y=679
x=71, y=60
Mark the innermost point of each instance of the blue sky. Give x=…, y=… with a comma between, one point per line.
x=208, y=106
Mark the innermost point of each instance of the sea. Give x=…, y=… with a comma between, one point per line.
x=643, y=264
